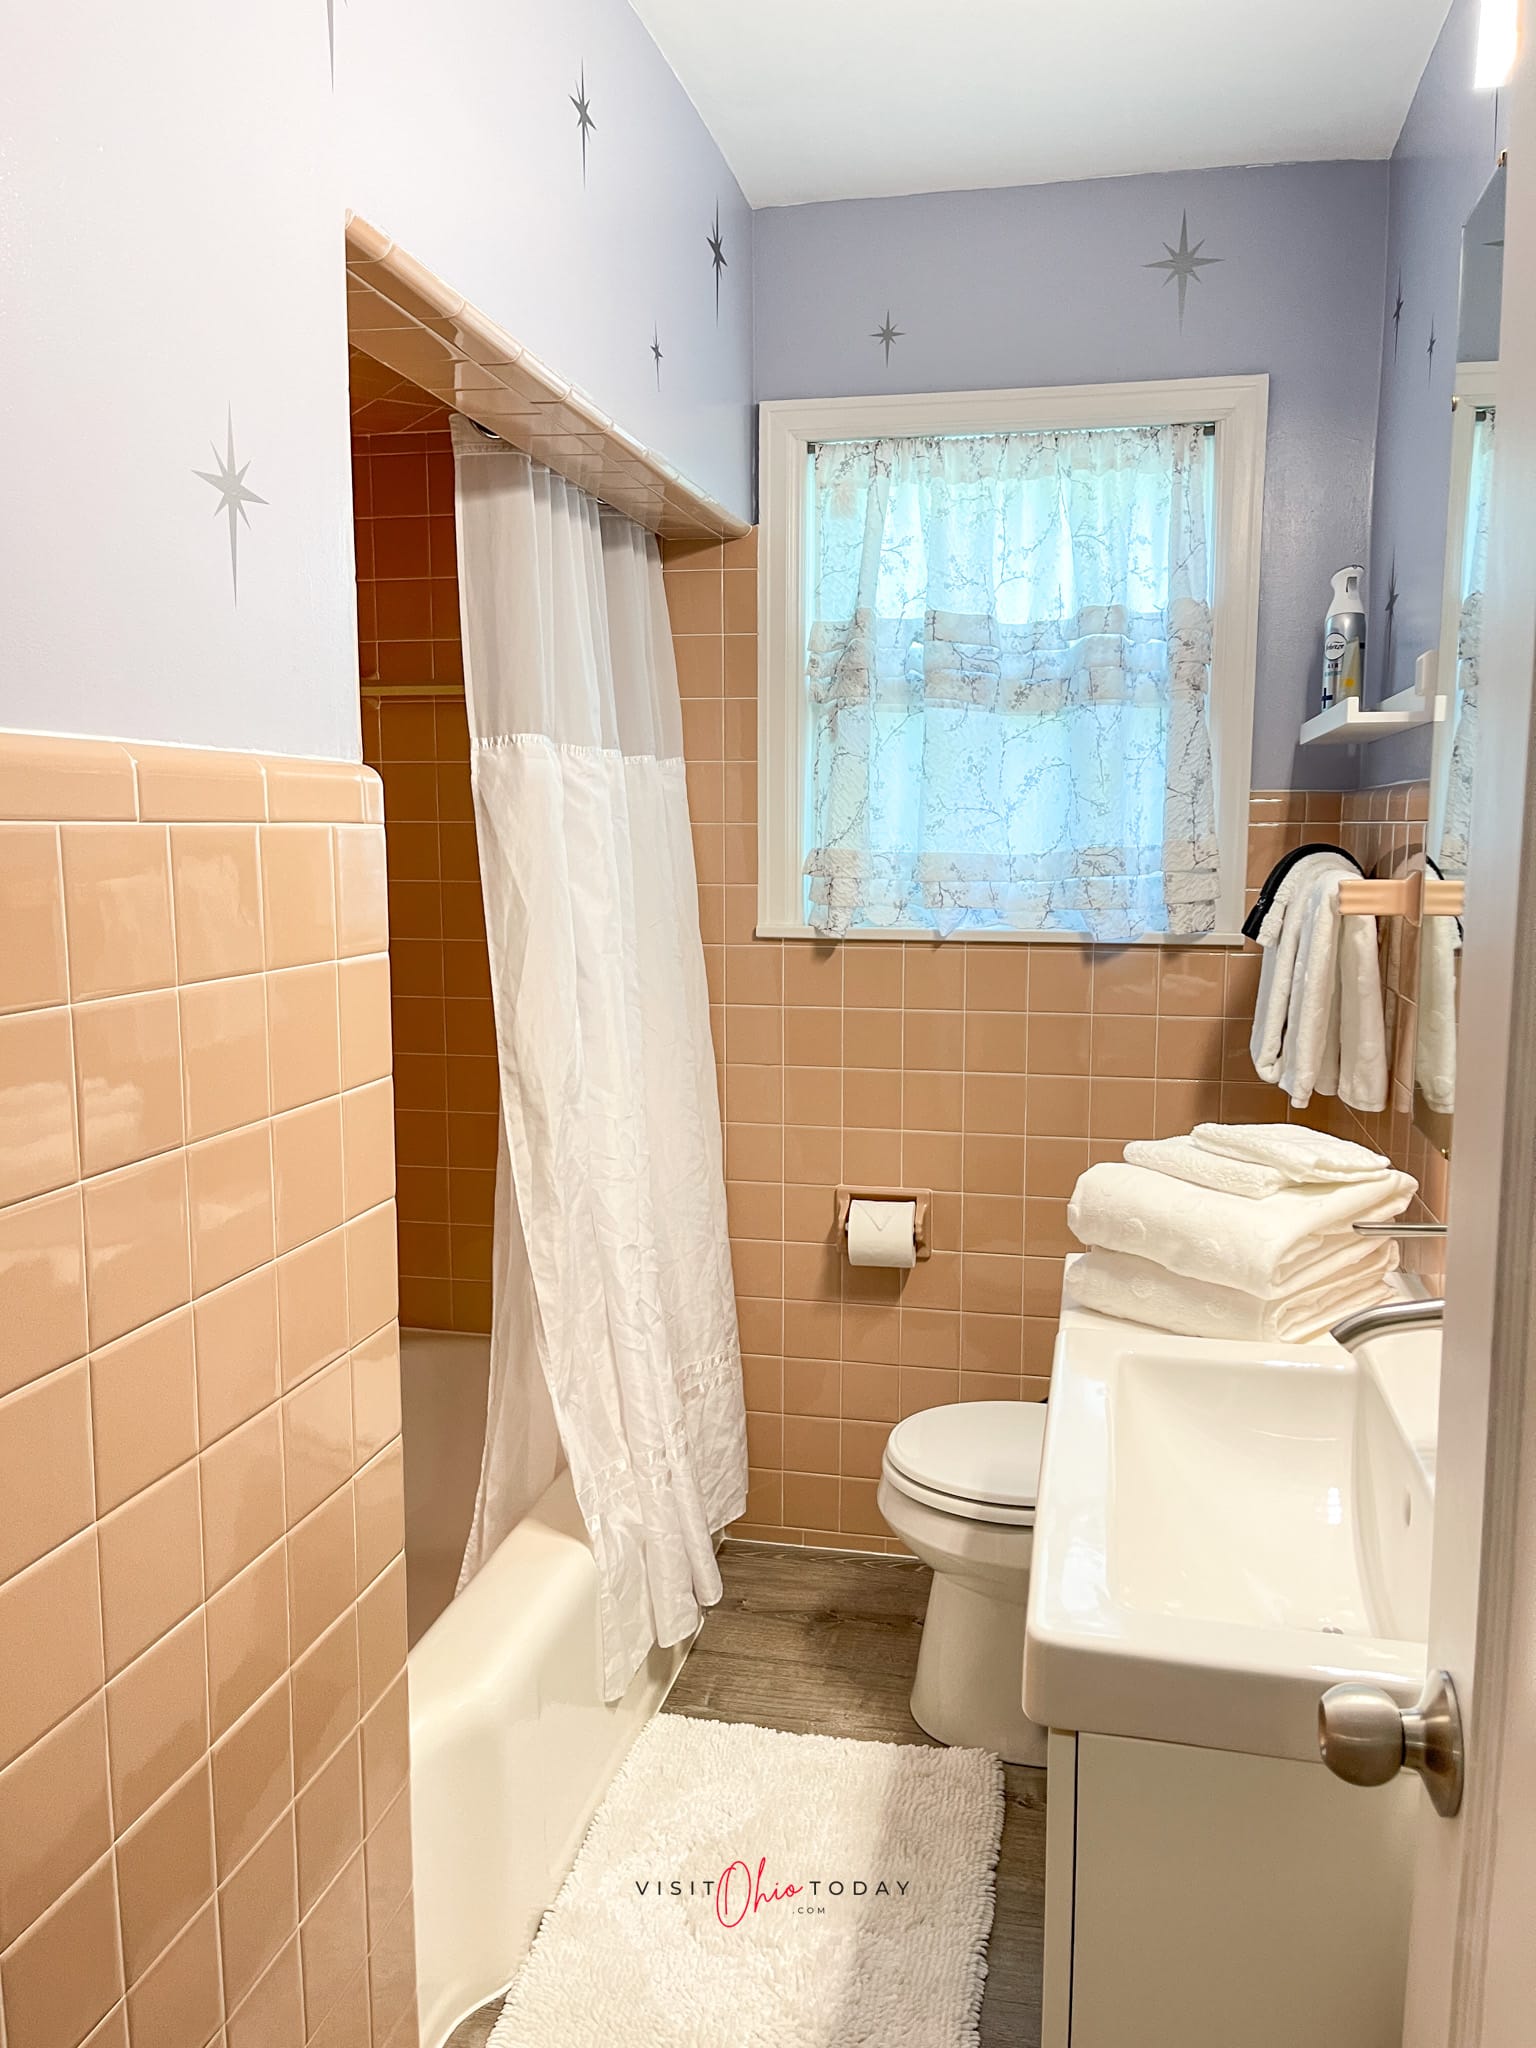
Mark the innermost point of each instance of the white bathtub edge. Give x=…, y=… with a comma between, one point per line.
x=512, y=1749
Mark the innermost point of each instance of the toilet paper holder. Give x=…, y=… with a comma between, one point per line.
x=919, y=1197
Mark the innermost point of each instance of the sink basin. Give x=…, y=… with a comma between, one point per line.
x=1225, y=1530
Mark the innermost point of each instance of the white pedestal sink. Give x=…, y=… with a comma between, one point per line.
x=1223, y=1532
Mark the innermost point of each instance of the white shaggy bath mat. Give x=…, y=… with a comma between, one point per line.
x=740, y=1888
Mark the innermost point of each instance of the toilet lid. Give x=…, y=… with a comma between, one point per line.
x=973, y=1450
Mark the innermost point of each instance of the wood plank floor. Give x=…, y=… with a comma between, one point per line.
x=821, y=1643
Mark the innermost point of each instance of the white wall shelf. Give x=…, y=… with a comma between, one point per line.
x=1348, y=724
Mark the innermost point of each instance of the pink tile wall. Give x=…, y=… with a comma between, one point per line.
x=204, y=1828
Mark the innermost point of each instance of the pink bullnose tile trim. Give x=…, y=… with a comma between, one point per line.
x=315, y=792
x=190, y=785
x=43, y=776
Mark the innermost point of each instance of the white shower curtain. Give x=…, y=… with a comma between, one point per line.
x=610, y=1115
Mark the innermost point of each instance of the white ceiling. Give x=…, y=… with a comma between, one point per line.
x=838, y=99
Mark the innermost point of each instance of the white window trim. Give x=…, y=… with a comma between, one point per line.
x=788, y=428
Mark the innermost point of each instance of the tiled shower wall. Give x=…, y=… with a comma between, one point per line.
x=992, y=1074
x=416, y=735
x=447, y=1095
x=407, y=577
x=204, y=1821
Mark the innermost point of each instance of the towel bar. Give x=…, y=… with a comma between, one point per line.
x=1405, y=896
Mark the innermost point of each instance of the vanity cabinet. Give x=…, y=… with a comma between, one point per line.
x=1202, y=1898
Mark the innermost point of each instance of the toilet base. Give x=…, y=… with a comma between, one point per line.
x=970, y=1673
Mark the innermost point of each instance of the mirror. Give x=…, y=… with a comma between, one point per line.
x=1454, y=765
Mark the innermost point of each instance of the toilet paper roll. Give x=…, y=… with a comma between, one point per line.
x=882, y=1233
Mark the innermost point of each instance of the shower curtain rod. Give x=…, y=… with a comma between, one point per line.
x=403, y=316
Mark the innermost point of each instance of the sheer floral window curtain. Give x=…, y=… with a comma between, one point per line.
x=1469, y=650
x=1007, y=674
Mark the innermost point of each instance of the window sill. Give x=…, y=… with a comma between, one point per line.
x=917, y=935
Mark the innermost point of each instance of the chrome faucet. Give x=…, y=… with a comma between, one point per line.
x=1365, y=1323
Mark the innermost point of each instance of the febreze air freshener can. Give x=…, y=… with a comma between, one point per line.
x=1344, y=638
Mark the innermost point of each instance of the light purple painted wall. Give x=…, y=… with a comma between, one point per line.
x=1047, y=284
x=459, y=138
x=1444, y=158
x=172, y=187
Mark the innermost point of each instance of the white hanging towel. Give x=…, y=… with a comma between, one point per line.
x=1434, y=1058
x=1279, y=939
x=1318, y=1023
x=1257, y=1246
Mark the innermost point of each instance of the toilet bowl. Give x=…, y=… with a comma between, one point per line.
x=958, y=1486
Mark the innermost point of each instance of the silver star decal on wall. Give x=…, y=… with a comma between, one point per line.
x=584, y=120
x=717, y=258
x=1183, y=264
x=1391, y=618
x=656, y=353
x=234, y=495
x=1430, y=352
x=886, y=334
x=1397, y=316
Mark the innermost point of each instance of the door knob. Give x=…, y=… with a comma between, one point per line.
x=1366, y=1738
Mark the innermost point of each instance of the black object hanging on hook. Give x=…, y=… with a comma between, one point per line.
x=1277, y=874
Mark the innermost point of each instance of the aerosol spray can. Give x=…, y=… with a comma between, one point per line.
x=1344, y=638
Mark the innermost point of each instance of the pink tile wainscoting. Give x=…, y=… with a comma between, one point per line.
x=204, y=1829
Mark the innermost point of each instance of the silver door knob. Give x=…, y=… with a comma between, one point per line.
x=1366, y=1738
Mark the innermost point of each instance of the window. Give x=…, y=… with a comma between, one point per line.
x=1007, y=662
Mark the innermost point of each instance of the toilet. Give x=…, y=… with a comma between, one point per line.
x=958, y=1485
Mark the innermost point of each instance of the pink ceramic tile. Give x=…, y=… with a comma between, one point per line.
x=302, y=1022
x=129, y=1079
x=50, y=1623
x=237, y=1352
x=37, y=1104
x=55, y=1817
x=317, y=1439
x=46, y=1486
x=307, y=1172
x=216, y=875
x=143, y=1408
x=312, y=1306
x=191, y=783
x=66, y=1972
x=42, y=1287
x=372, y=1279
x=229, y=1194
x=33, y=969
x=323, y=792
x=362, y=918
x=117, y=898
x=365, y=1022
x=368, y=1146
x=137, y=1261
x=151, y=1566
x=46, y=777
x=224, y=1054
x=298, y=895
x=157, y=1719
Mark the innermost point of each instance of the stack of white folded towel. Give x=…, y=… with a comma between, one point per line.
x=1239, y=1230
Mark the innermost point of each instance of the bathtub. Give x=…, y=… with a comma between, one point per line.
x=512, y=1743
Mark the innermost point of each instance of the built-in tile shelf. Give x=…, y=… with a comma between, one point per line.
x=1348, y=724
